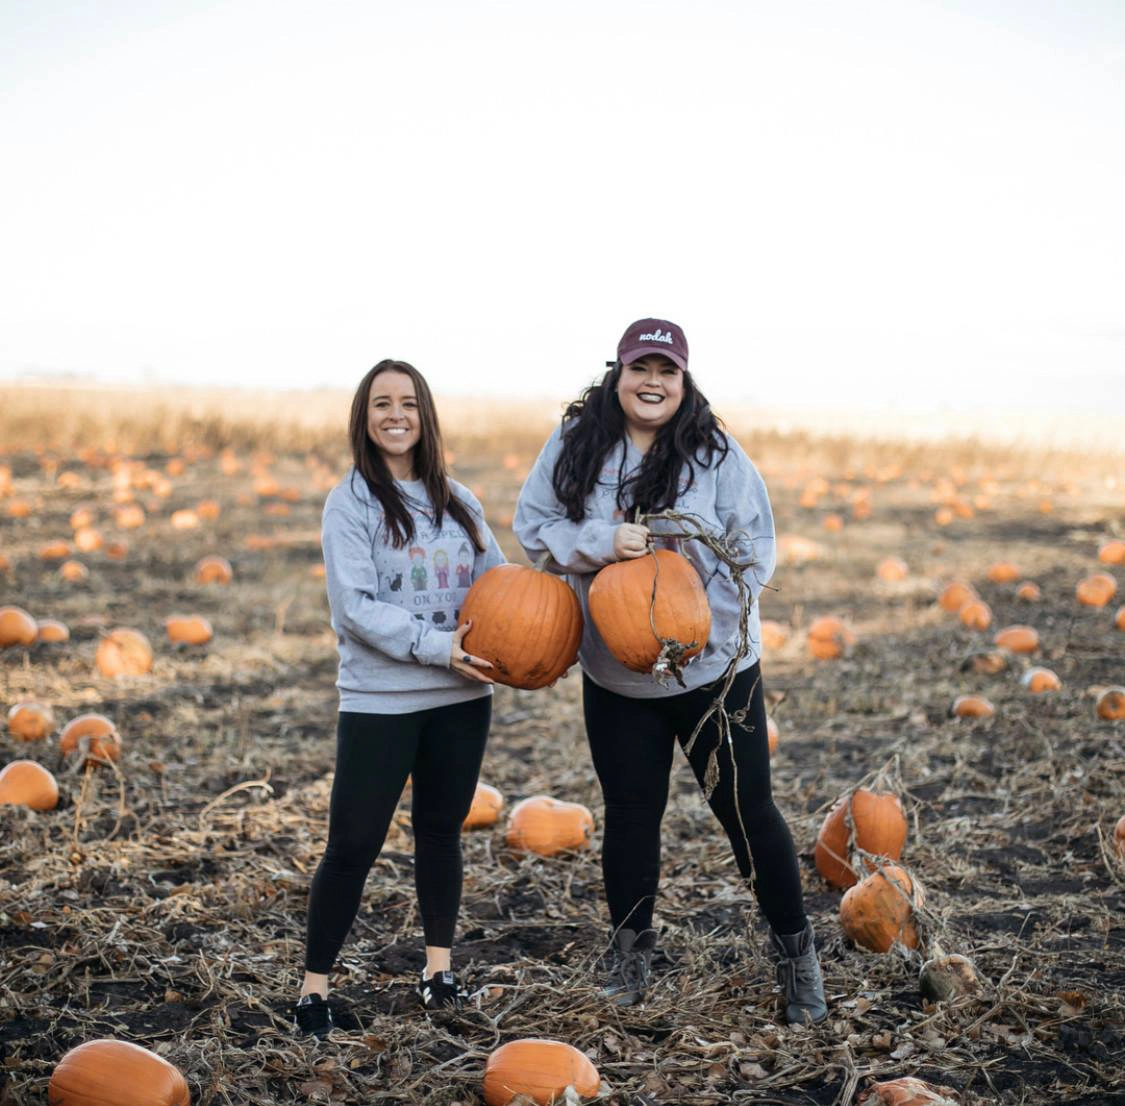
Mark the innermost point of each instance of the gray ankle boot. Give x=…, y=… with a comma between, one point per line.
x=798, y=975
x=630, y=966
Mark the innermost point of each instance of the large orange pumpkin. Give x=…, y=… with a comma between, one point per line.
x=632, y=625
x=124, y=652
x=115, y=1073
x=30, y=721
x=548, y=826
x=17, y=627
x=1111, y=704
x=542, y=1070
x=100, y=734
x=487, y=804
x=879, y=828
x=188, y=629
x=527, y=623
x=879, y=910
x=1096, y=590
x=830, y=638
x=25, y=783
x=1017, y=639
x=906, y=1091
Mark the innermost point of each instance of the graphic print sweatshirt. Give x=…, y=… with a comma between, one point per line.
x=728, y=496
x=394, y=610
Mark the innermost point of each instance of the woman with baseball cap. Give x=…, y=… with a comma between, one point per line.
x=643, y=439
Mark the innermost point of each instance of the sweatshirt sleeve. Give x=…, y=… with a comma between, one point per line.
x=743, y=506
x=353, y=584
x=541, y=524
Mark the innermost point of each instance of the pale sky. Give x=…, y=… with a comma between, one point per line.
x=866, y=203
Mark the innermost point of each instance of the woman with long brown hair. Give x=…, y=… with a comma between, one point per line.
x=412, y=701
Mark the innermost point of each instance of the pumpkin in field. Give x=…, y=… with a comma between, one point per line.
x=124, y=652
x=115, y=1073
x=633, y=625
x=955, y=595
x=879, y=910
x=487, y=804
x=30, y=721
x=906, y=1091
x=774, y=634
x=184, y=519
x=892, y=569
x=188, y=630
x=972, y=706
x=869, y=820
x=548, y=826
x=129, y=516
x=74, y=572
x=87, y=539
x=94, y=732
x=539, y=1069
x=1028, y=592
x=51, y=631
x=208, y=509
x=54, y=550
x=17, y=627
x=1040, y=680
x=1096, y=590
x=1017, y=639
x=976, y=614
x=946, y=977
x=1003, y=572
x=1119, y=837
x=527, y=623
x=830, y=638
x=773, y=735
x=1119, y=619
x=213, y=570
x=986, y=661
x=1111, y=704
x=25, y=783
x=1112, y=552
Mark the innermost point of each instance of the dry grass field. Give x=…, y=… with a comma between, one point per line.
x=163, y=900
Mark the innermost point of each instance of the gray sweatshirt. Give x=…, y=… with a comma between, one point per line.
x=394, y=610
x=728, y=496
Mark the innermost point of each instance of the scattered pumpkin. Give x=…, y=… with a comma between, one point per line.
x=118, y=549
x=487, y=804
x=129, y=516
x=1017, y=639
x=972, y=706
x=1112, y=552
x=188, y=630
x=548, y=826
x=986, y=661
x=1028, y=592
x=185, y=519
x=115, y=1073
x=830, y=638
x=976, y=614
x=1003, y=572
x=1119, y=618
x=906, y=1091
x=774, y=634
x=124, y=652
x=1096, y=590
x=1040, y=680
x=948, y=976
x=1111, y=704
x=623, y=610
x=88, y=539
x=57, y=550
x=213, y=570
x=74, y=572
x=773, y=735
x=95, y=732
x=527, y=623
x=869, y=820
x=892, y=569
x=833, y=523
x=30, y=721
x=17, y=627
x=25, y=783
x=955, y=595
x=879, y=910
x=51, y=631
x=539, y=1069
x=208, y=509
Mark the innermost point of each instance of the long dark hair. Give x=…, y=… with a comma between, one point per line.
x=594, y=423
x=429, y=461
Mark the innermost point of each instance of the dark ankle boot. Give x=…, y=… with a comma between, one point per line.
x=630, y=966
x=798, y=976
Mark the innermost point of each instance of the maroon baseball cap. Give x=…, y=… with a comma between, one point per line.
x=653, y=336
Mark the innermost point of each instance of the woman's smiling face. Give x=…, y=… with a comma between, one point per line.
x=650, y=391
x=393, y=422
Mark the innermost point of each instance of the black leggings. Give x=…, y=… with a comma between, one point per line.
x=441, y=749
x=632, y=741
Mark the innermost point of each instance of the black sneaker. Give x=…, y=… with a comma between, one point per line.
x=630, y=966
x=313, y=1016
x=441, y=989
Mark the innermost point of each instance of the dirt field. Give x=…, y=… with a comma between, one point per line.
x=165, y=903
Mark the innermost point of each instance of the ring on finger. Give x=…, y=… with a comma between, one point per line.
x=466, y=659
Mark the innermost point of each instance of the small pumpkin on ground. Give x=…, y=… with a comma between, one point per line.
x=948, y=976
x=1096, y=590
x=972, y=706
x=31, y=721
x=115, y=1073
x=124, y=652
x=188, y=630
x=955, y=595
x=830, y=638
x=25, y=783
x=213, y=570
x=51, y=631
x=1003, y=572
x=1017, y=639
x=539, y=1069
x=976, y=614
x=1039, y=680
x=869, y=820
x=96, y=732
x=879, y=910
x=17, y=627
x=547, y=826
x=1111, y=704
x=906, y=1091
x=487, y=804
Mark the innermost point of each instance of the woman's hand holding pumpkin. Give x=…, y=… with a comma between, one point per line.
x=465, y=664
